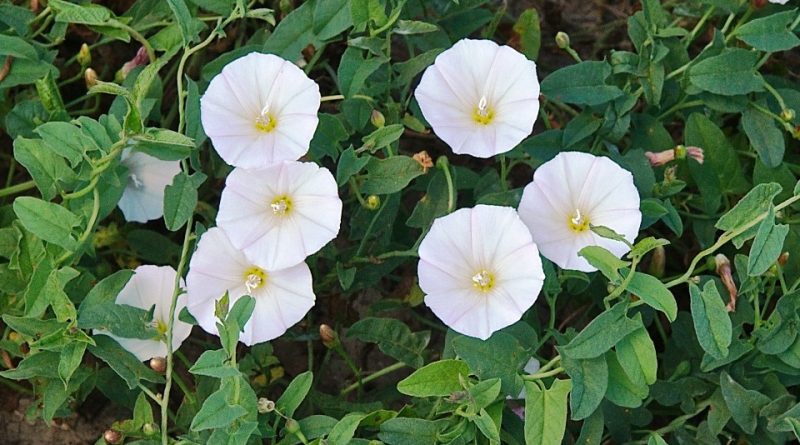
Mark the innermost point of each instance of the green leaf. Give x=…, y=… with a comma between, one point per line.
x=311, y=23
x=382, y=137
x=48, y=221
x=349, y=164
x=500, y=356
x=386, y=176
x=435, y=379
x=39, y=365
x=589, y=384
x=732, y=73
x=485, y=392
x=354, y=71
x=743, y=403
x=180, y=199
x=656, y=439
x=622, y=391
x=184, y=19
x=66, y=140
x=344, y=430
x=393, y=337
x=213, y=364
x=546, y=412
x=753, y=205
x=653, y=292
x=767, y=245
x=583, y=83
x=294, y=394
x=601, y=334
x=125, y=364
x=121, y=320
x=605, y=261
x=45, y=167
x=645, y=245
x=221, y=408
x=107, y=289
x=711, y=321
x=433, y=204
x=164, y=144
x=17, y=48
x=637, y=355
x=409, y=431
x=71, y=357
x=529, y=31
x=89, y=14
x=487, y=426
x=771, y=33
x=764, y=136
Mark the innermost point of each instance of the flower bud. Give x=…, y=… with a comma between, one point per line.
x=373, y=202
x=158, y=364
x=149, y=428
x=112, y=436
x=724, y=271
x=660, y=158
x=84, y=57
x=783, y=259
x=14, y=336
x=658, y=260
x=670, y=174
x=90, y=78
x=265, y=405
x=139, y=59
x=328, y=336
x=787, y=115
x=758, y=4
x=562, y=40
x=377, y=119
x=292, y=426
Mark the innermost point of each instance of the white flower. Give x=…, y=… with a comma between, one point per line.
x=480, y=269
x=153, y=285
x=143, y=198
x=480, y=98
x=780, y=2
x=573, y=192
x=280, y=214
x=259, y=110
x=282, y=297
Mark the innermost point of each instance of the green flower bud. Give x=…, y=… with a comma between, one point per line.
x=84, y=55
x=562, y=40
x=377, y=119
x=373, y=202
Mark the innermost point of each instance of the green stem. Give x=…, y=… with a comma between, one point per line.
x=727, y=236
x=624, y=285
x=377, y=374
x=555, y=360
x=690, y=38
x=17, y=188
x=151, y=54
x=89, y=225
x=542, y=375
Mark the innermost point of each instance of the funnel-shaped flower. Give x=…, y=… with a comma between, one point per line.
x=281, y=214
x=282, y=297
x=480, y=98
x=480, y=269
x=153, y=285
x=573, y=192
x=143, y=198
x=259, y=110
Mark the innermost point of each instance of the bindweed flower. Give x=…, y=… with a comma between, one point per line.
x=779, y=2
x=260, y=110
x=143, y=198
x=281, y=214
x=680, y=152
x=723, y=269
x=480, y=269
x=573, y=192
x=153, y=285
x=480, y=98
x=138, y=60
x=282, y=297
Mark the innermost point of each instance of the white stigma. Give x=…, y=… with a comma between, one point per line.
x=280, y=207
x=482, y=279
x=577, y=219
x=264, y=118
x=483, y=106
x=253, y=282
x=136, y=181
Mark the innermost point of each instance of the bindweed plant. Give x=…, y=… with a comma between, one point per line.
x=368, y=221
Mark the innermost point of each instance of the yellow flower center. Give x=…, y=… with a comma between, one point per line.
x=160, y=327
x=483, y=280
x=483, y=114
x=266, y=121
x=577, y=222
x=281, y=205
x=254, y=278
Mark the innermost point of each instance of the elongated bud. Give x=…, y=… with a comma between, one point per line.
x=84, y=56
x=658, y=260
x=373, y=202
x=112, y=436
x=90, y=77
x=292, y=426
x=139, y=59
x=328, y=336
x=377, y=119
x=787, y=115
x=265, y=405
x=660, y=158
x=158, y=364
x=725, y=274
x=562, y=40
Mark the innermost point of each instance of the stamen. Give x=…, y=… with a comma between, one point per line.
x=136, y=181
x=483, y=113
x=265, y=121
x=483, y=108
x=281, y=205
x=578, y=222
x=253, y=282
x=483, y=280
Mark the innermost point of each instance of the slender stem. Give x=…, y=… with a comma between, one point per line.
x=150, y=394
x=151, y=54
x=624, y=285
x=692, y=35
x=542, y=375
x=89, y=225
x=17, y=188
x=377, y=374
x=555, y=360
